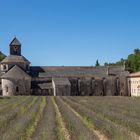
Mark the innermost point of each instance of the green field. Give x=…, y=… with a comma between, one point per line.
x=69, y=118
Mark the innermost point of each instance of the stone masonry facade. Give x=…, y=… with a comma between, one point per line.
x=17, y=77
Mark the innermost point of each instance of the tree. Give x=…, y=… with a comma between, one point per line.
x=137, y=51
x=2, y=56
x=132, y=63
x=97, y=63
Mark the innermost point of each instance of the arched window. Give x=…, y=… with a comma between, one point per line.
x=17, y=89
x=4, y=67
x=6, y=89
x=101, y=93
x=15, y=49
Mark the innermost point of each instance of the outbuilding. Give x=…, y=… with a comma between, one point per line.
x=133, y=82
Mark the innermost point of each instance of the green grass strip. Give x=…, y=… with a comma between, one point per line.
x=59, y=122
x=37, y=116
x=24, y=108
x=13, y=105
x=86, y=121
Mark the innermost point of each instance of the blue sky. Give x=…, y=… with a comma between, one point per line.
x=71, y=32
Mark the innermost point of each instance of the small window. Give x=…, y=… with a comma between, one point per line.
x=17, y=89
x=4, y=67
x=15, y=49
x=27, y=67
x=6, y=89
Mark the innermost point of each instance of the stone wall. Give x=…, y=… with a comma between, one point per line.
x=63, y=90
x=16, y=87
x=109, y=86
x=60, y=87
x=106, y=86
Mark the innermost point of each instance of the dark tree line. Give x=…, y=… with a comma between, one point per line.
x=132, y=63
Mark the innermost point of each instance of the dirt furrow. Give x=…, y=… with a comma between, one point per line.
x=77, y=129
x=46, y=127
x=62, y=131
x=99, y=134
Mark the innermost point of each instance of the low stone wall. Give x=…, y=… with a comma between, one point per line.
x=103, y=86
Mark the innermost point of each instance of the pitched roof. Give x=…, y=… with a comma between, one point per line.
x=15, y=42
x=45, y=85
x=15, y=59
x=136, y=74
x=61, y=81
x=15, y=73
x=74, y=71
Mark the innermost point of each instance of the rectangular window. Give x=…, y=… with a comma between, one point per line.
x=17, y=89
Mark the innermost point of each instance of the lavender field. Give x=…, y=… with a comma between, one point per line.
x=69, y=118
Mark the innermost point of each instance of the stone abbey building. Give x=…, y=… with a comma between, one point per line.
x=19, y=78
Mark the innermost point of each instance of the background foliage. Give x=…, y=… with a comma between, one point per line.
x=132, y=63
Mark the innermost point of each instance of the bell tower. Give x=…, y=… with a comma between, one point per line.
x=15, y=47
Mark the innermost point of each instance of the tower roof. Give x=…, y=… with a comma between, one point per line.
x=15, y=42
x=15, y=59
x=15, y=73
